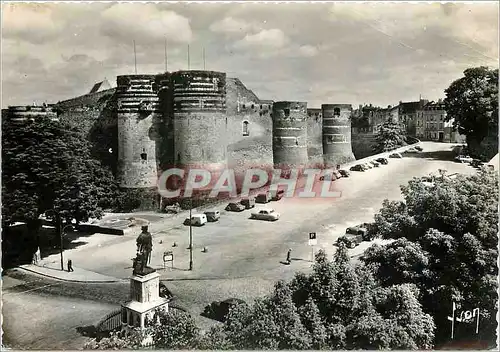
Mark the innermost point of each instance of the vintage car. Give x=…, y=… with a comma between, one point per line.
x=419, y=148
x=276, y=196
x=396, y=156
x=196, y=220
x=350, y=241
x=375, y=163
x=263, y=198
x=212, y=215
x=233, y=206
x=344, y=173
x=359, y=167
x=463, y=159
x=248, y=203
x=362, y=230
x=219, y=310
x=267, y=214
x=382, y=161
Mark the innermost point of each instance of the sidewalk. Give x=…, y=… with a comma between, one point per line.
x=79, y=275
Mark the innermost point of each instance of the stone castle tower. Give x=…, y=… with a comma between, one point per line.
x=337, y=149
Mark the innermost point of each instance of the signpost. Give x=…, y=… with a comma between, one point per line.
x=465, y=317
x=168, y=257
x=312, y=243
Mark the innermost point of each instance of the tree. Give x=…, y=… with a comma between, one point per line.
x=118, y=340
x=472, y=101
x=47, y=166
x=337, y=306
x=174, y=330
x=390, y=136
x=446, y=244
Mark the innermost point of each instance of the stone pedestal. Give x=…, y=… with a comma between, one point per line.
x=145, y=300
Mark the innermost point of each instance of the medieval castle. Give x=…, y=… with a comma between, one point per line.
x=149, y=123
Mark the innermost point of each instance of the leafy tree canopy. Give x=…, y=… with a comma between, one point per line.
x=47, y=166
x=446, y=244
x=472, y=101
x=390, y=136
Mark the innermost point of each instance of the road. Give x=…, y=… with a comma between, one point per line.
x=243, y=258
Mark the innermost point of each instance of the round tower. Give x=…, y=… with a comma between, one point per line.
x=200, y=121
x=22, y=114
x=289, y=133
x=337, y=148
x=138, y=112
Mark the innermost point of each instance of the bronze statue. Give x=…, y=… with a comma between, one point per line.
x=143, y=257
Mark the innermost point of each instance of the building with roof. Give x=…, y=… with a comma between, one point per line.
x=431, y=124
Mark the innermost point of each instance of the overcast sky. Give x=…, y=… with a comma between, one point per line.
x=355, y=53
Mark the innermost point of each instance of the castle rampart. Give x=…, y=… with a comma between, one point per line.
x=289, y=134
x=21, y=114
x=337, y=134
x=200, y=120
x=138, y=112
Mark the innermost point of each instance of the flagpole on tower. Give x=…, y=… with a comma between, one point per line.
x=135, y=58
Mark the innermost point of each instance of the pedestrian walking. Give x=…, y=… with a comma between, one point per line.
x=288, y=256
x=70, y=266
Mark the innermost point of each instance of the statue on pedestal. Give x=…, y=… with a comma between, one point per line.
x=143, y=258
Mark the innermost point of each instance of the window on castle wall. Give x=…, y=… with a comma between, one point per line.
x=144, y=156
x=243, y=106
x=252, y=106
x=178, y=157
x=287, y=112
x=336, y=112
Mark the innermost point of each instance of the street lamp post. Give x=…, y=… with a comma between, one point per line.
x=61, y=230
x=190, y=236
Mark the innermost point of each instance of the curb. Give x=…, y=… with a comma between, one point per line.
x=71, y=280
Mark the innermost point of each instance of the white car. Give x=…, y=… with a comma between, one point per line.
x=463, y=159
x=265, y=214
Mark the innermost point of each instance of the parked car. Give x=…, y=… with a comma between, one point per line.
x=212, y=215
x=476, y=163
x=344, y=173
x=350, y=241
x=219, y=310
x=330, y=176
x=359, y=167
x=196, y=220
x=463, y=159
x=233, y=206
x=368, y=165
x=396, y=156
x=419, y=148
x=362, y=230
x=165, y=292
x=276, y=196
x=173, y=209
x=265, y=214
x=382, y=161
x=375, y=163
x=411, y=150
x=263, y=198
x=248, y=203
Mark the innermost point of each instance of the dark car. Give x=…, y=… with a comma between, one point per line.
x=362, y=230
x=276, y=196
x=165, y=292
x=219, y=310
x=350, y=241
x=212, y=215
x=476, y=163
x=233, y=206
x=375, y=163
x=263, y=198
x=359, y=167
x=419, y=148
x=344, y=173
x=383, y=161
x=248, y=203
